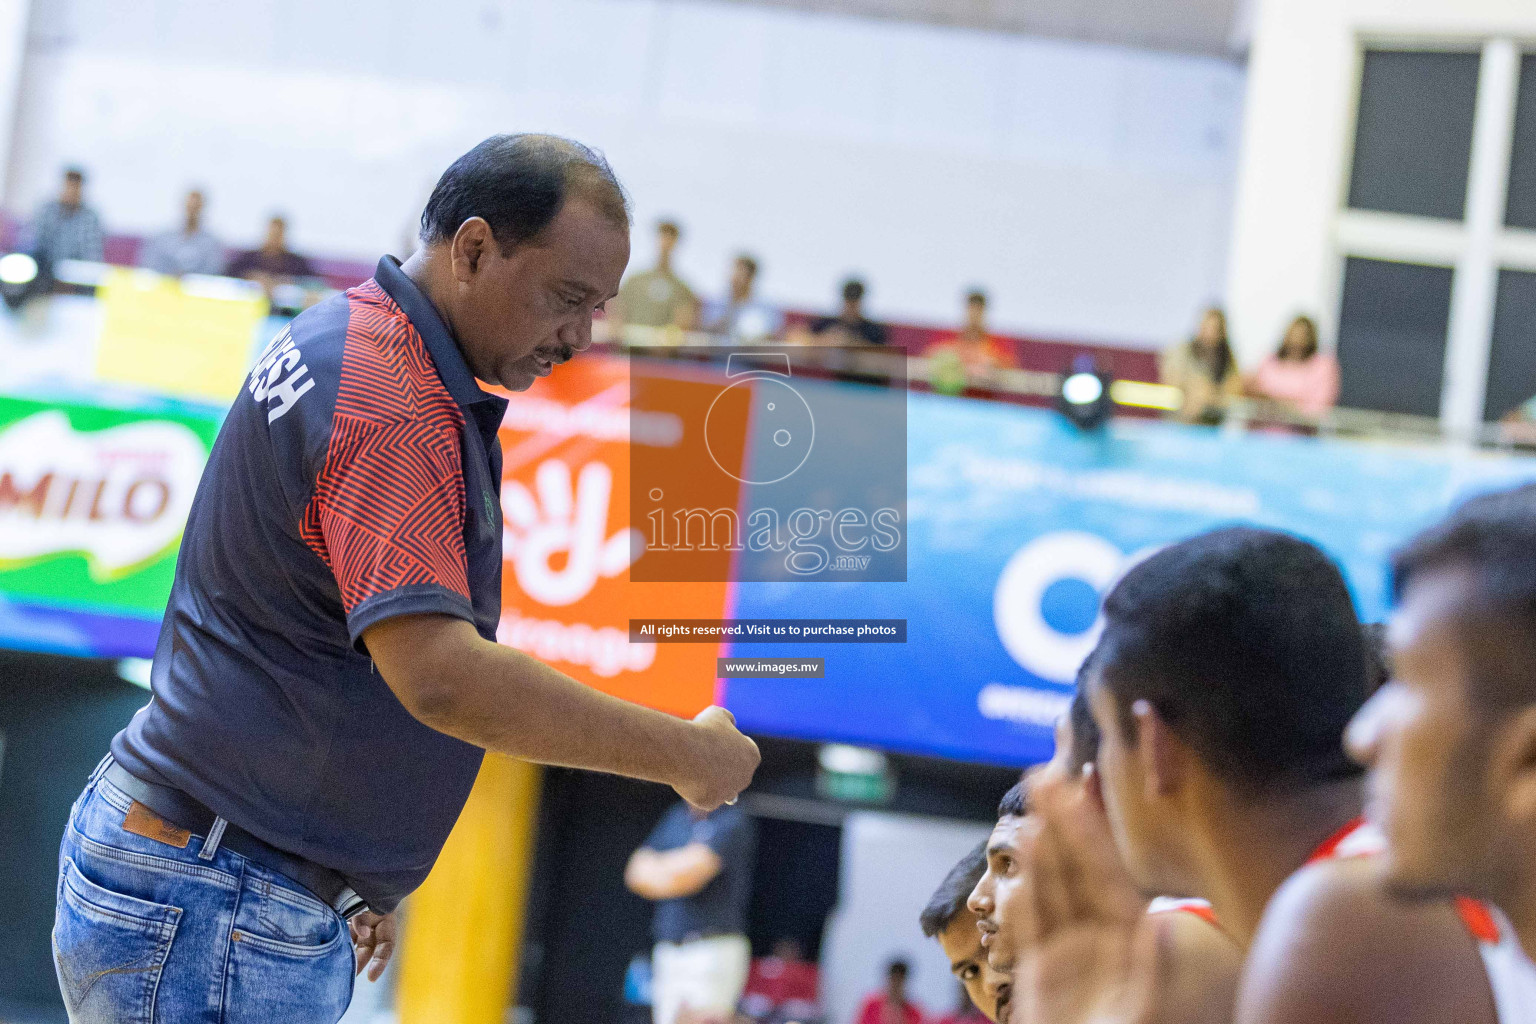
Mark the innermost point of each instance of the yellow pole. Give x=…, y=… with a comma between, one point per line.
x=463, y=927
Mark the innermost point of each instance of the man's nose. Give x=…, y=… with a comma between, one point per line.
x=1362, y=737
x=980, y=900
x=578, y=335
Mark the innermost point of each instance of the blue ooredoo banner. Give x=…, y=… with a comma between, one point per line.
x=1019, y=523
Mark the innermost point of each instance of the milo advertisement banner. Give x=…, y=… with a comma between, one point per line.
x=92, y=505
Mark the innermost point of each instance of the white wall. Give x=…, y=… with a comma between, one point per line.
x=890, y=865
x=1087, y=186
x=1297, y=138
x=13, y=39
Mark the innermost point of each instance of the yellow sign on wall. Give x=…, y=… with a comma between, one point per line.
x=189, y=338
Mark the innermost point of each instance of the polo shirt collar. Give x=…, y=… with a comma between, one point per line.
x=455, y=373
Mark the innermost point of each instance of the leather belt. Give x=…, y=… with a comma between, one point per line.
x=181, y=810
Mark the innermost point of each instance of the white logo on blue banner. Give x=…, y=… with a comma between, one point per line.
x=1046, y=604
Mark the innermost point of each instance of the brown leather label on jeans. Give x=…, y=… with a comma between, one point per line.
x=142, y=821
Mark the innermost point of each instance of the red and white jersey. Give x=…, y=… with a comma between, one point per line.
x=1357, y=839
x=1511, y=974
x=1173, y=904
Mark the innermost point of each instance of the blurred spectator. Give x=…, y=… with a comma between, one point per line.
x=697, y=868
x=1298, y=376
x=274, y=262
x=1518, y=426
x=977, y=349
x=739, y=316
x=851, y=326
x=971, y=355
x=658, y=297
x=891, y=1006
x=65, y=228
x=185, y=250
x=965, y=1012
x=783, y=985
x=1203, y=368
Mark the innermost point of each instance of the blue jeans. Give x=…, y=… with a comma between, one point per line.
x=146, y=933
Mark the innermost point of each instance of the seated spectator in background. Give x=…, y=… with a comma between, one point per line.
x=1298, y=376
x=851, y=326
x=274, y=263
x=891, y=1006
x=188, y=249
x=657, y=297
x=948, y=919
x=977, y=349
x=1203, y=368
x=783, y=985
x=65, y=228
x=970, y=356
x=965, y=1011
x=739, y=316
x=1518, y=426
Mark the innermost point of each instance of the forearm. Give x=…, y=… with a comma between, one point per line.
x=504, y=700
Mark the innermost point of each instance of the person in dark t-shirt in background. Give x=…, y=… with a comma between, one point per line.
x=274, y=262
x=850, y=326
x=697, y=868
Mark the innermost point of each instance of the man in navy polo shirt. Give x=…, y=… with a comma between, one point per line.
x=327, y=676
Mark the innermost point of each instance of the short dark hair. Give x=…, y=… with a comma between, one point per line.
x=669, y=227
x=976, y=297
x=949, y=899
x=1378, y=662
x=74, y=172
x=519, y=183
x=1085, y=733
x=749, y=262
x=898, y=966
x=1013, y=804
x=1246, y=642
x=1491, y=537
x=853, y=290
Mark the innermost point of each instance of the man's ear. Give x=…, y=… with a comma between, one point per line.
x=469, y=245
x=1163, y=756
x=1512, y=769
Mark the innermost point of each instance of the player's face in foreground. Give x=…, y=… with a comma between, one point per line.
x=1430, y=789
x=521, y=314
x=987, y=988
x=1002, y=901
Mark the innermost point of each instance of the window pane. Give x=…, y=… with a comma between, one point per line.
x=1512, y=360
x=1522, y=171
x=1392, y=326
x=1413, y=140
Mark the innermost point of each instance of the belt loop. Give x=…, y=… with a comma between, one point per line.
x=101, y=767
x=211, y=843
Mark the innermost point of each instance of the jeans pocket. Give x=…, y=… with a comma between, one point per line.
x=109, y=950
x=290, y=958
x=290, y=918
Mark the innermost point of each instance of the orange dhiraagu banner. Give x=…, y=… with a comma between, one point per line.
x=567, y=596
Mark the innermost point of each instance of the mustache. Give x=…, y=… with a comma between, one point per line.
x=559, y=354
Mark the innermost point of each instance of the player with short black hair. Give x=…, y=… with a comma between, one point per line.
x=1228, y=636
x=948, y=919
x=1451, y=738
x=1228, y=668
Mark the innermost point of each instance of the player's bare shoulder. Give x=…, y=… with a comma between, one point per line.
x=1334, y=945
